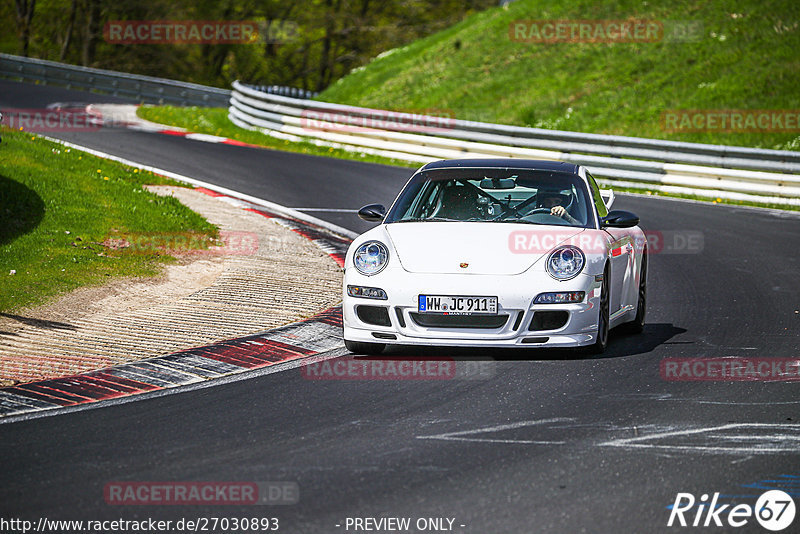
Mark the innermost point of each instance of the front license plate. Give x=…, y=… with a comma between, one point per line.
x=457, y=305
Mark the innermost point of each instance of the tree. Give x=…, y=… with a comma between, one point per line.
x=91, y=31
x=70, y=27
x=306, y=43
x=24, y=12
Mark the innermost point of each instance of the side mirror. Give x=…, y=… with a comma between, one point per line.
x=619, y=219
x=375, y=213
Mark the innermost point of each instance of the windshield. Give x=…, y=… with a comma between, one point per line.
x=494, y=195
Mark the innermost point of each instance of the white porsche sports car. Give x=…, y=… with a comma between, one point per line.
x=495, y=253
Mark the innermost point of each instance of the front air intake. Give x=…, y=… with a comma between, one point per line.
x=459, y=321
x=375, y=315
x=549, y=320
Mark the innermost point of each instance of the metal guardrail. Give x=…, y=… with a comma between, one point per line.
x=146, y=89
x=705, y=170
x=282, y=90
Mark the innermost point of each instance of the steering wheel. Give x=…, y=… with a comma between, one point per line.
x=539, y=210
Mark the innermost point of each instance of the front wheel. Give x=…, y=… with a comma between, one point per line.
x=601, y=342
x=637, y=325
x=361, y=347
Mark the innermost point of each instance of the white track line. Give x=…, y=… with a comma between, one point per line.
x=717, y=445
x=461, y=435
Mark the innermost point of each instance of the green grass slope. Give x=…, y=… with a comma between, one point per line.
x=746, y=56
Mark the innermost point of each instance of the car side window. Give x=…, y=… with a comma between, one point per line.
x=421, y=203
x=433, y=201
x=602, y=211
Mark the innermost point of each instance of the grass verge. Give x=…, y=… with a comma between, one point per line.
x=60, y=208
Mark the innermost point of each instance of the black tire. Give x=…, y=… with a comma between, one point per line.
x=360, y=347
x=600, y=344
x=637, y=325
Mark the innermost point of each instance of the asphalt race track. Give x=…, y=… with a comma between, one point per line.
x=537, y=442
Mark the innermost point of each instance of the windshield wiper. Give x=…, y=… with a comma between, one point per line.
x=514, y=221
x=426, y=219
x=523, y=221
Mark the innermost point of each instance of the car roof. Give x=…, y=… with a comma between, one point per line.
x=503, y=163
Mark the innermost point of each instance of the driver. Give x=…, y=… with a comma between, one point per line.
x=555, y=200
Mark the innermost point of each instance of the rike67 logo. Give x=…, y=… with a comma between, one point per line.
x=774, y=510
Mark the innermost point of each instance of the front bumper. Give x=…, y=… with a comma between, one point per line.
x=515, y=294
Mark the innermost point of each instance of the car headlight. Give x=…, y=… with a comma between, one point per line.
x=565, y=262
x=371, y=257
x=566, y=297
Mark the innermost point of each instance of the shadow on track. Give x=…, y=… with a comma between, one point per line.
x=39, y=323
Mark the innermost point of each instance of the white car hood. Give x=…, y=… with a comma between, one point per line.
x=487, y=248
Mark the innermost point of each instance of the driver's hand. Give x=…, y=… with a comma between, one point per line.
x=558, y=211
